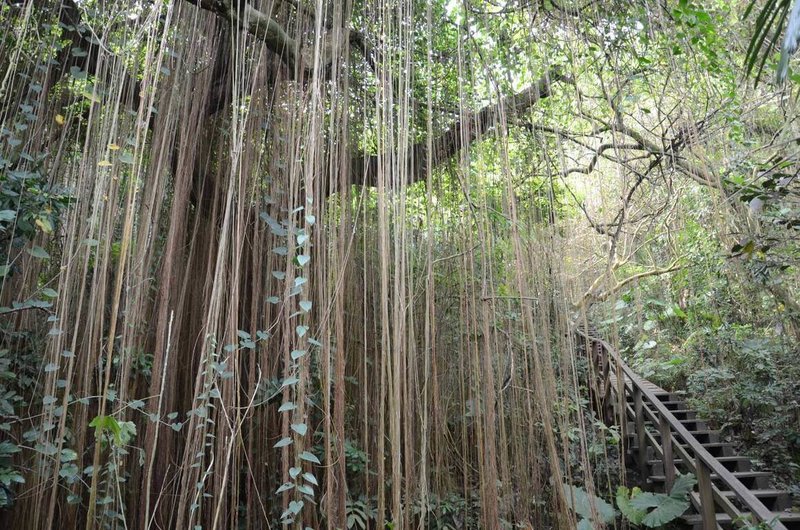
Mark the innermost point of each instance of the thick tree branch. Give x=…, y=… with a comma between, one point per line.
x=596, y=155
x=259, y=24
x=244, y=16
x=364, y=168
x=696, y=173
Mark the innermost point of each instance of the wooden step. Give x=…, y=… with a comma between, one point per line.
x=684, y=414
x=790, y=520
x=754, y=480
x=694, y=424
x=634, y=453
x=665, y=396
x=736, y=463
x=774, y=500
x=751, y=479
x=704, y=436
x=674, y=405
x=718, y=449
x=731, y=463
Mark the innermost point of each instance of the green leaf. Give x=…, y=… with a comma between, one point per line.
x=47, y=292
x=287, y=407
x=77, y=73
x=660, y=509
x=45, y=224
x=107, y=423
x=8, y=448
x=584, y=504
x=305, y=490
x=309, y=457
x=38, y=252
x=274, y=225
x=284, y=487
x=675, y=310
x=683, y=485
x=632, y=514
x=300, y=428
x=283, y=442
x=290, y=381
x=127, y=432
x=667, y=510
x=306, y=305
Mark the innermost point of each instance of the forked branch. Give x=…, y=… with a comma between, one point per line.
x=593, y=295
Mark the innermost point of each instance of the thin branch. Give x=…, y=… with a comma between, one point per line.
x=591, y=297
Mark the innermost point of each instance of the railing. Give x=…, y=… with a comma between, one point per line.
x=675, y=439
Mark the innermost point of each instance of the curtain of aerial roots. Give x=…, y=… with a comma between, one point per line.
x=241, y=338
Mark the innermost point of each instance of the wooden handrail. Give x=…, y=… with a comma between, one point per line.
x=705, y=463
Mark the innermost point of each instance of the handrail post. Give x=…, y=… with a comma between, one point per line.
x=667, y=458
x=641, y=437
x=607, y=405
x=709, y=511
x=597, y=361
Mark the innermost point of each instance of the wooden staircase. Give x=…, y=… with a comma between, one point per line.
x=664, y=436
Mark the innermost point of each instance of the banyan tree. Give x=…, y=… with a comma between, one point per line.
x=291, y=262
